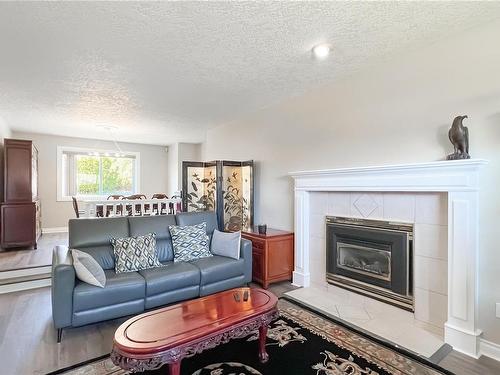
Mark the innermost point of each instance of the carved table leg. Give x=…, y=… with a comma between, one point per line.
x=174, y=368
x=263, y=356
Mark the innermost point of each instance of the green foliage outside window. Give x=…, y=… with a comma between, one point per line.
x=103, y=175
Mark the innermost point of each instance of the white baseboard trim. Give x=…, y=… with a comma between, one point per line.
x=4, y=275
x=54, y=230
x=489, y=349
x=25, y=285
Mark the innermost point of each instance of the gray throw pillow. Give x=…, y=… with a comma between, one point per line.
x=226, y=244
x=135, y=253
x=87, y=269
x=190, y=242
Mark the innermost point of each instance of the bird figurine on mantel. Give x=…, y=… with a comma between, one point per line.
x=459, y=137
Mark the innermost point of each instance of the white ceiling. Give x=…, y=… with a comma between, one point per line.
x=165, y=72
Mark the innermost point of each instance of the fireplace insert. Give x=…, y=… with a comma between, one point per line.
x=371, y=257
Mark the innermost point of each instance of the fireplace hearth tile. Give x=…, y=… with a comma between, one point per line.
x=431, y=241
x=431, y=208
x=399, y=207
x=339, y=204
x=318, y=225
x=353, y=312
x=431, y=308
x=318, y=203
x=317, y=249
x=389, y=322
x=431, y=274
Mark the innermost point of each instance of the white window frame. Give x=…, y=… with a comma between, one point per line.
x=61, y=197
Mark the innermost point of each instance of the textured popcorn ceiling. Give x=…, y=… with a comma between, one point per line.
x=165, y=72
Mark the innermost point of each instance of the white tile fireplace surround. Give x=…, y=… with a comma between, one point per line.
x=440, y=198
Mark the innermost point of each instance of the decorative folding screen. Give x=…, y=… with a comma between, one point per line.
x=223, y=186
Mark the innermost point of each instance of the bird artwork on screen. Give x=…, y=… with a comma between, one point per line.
x=459, y=137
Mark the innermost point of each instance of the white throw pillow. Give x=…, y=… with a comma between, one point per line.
x=226, y=244
x=87, y=269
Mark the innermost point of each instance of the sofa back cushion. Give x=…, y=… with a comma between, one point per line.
x=193, y=218
x=142, y=225
x=93, y=237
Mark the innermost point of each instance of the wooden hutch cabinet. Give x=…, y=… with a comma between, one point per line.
x=20, y=210
x=272, y=255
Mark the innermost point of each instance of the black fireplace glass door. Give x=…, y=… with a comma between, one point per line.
x=371, y=256
x=364, y=260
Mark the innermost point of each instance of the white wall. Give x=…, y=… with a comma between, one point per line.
x=177, y=153
x=188, y=152
x=398, y=111
x=173, y=169
x=153, y=170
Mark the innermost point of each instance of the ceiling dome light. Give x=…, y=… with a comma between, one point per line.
x=321, y=51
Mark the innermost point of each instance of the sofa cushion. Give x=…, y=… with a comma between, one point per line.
x=217, y=268
x=142, y=225
x=190, y=242
x=135, y=253
x=171, y=276
x=95, y=232
x=92, y=236
x=122, y=287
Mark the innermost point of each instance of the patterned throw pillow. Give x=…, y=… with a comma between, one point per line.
x=190, y=242
x=135, y=253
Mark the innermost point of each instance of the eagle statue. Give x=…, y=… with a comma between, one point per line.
x=459, y=137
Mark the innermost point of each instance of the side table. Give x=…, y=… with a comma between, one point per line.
x=272, y=255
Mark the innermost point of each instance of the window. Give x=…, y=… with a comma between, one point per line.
x=96, y=174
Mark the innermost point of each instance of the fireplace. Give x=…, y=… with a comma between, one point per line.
x=371, y=257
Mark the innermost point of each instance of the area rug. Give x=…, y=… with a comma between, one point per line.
x=298, y=342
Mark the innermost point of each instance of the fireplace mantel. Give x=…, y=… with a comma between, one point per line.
x=460, y=179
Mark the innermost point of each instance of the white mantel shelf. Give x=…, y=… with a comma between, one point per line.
x=460, y=179
x=438, y=176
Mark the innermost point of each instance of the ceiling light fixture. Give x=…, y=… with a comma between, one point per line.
x=321, y=51
x=111, y=129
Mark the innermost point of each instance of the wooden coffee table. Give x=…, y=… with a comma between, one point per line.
x=167, y=335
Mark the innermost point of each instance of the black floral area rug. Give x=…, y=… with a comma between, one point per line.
x=298, y=342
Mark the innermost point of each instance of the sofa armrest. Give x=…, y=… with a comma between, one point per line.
x=63, y=283
x=246, y=254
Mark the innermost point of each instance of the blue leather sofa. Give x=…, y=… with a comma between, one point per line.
x=76, y=303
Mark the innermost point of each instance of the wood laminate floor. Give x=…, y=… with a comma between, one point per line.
x=11, y=259
x=28, y=339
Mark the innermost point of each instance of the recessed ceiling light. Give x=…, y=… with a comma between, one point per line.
x=321, y=51
x=107, y=127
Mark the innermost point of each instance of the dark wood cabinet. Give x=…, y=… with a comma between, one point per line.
x=20, y=210
x=272, y=255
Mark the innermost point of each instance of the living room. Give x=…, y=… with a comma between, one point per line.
x=357, y=141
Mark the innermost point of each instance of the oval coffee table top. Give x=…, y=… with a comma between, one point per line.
x=168, y=327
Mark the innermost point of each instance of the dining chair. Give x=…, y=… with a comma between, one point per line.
x=115, y=197
x=137, y=208
x=163, y=205
x=159, y=196
x=136, y=196
x=75, y=207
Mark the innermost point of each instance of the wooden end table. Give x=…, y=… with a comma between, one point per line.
x=272, y=255
x=167, y=335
